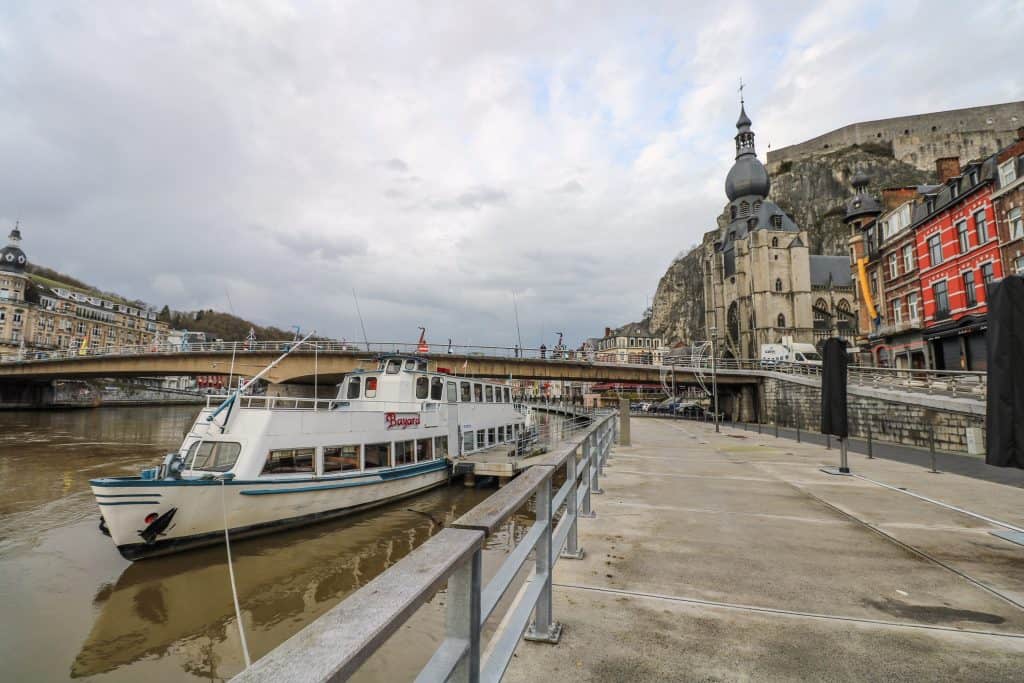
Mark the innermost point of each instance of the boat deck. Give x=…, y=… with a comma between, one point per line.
x=494, y=462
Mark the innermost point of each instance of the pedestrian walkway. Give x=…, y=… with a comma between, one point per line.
x=732, y=556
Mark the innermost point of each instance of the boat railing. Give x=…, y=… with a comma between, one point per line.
x=301, y=403
x=335, y=645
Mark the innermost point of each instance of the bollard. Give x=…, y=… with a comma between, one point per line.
x=623, y=421
x=758, y=425
x=828, y=442
x=931, y=446
x=844, y=465
x=776, y=428
x=871, y=450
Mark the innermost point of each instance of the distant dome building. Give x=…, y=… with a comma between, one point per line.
x=12, y=258
x=861, y=205
x=761, y=285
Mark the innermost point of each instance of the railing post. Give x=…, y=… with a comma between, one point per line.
x=572, y=550
x=462, y=618
x=543, y=628
x=595, y=465
x=588, y=460
x=871, y=450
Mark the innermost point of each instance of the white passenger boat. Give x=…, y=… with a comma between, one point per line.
x=257, y=464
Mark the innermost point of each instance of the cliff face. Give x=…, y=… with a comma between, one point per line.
x=812, y=191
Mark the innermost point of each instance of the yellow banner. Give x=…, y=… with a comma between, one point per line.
x=865, y=289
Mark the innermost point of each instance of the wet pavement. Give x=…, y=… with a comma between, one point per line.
x=733, y=557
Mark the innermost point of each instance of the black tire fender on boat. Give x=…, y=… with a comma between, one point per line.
x=158, y=527
x=103, y=527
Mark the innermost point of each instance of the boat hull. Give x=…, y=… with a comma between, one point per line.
x=253, y=507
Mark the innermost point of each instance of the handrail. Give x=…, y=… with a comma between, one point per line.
x=338, y=642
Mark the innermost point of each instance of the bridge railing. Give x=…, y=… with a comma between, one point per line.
x=335, y=645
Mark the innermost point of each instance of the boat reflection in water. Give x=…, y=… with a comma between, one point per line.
x=182, y=604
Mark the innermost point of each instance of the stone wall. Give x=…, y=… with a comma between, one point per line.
x=919, y=140
x=905, y=422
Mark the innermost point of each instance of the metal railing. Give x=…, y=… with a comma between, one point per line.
x=334, y=646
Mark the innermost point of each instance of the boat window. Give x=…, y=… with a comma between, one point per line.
x=213, y=456
x=371, y=387
x=436, y=388
x=393, y=367
x=424, y=450
x=421, y=386
x=405, y=452
x=501, y=434
x=508, y=432
x=467, y=441
x=508, y=395
x=341, y=458
x=289, y=461
x=441, y=447
x=410, y=364
x=464, y=387
x=497, y=395
x=354, y=385
x=481, y=439
x=453, y=392
x=375, y=455
x=478, y=393
x=490, y=436
x=489, y=392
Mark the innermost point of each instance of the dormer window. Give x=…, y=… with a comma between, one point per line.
x=757, y=206
x=744, y=209
x=954, y=189
x=777, y=222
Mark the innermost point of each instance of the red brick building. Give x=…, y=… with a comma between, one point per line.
x=1008, y=201
x=958, y=256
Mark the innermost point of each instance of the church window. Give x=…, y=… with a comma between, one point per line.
x=744, y=208
x=733, y=322
x=757, y=206
x=775, y=243
x=777, y=222
x=732, y=212
x=778, y=284
x=782, y=320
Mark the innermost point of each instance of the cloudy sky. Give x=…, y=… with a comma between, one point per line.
x=435, y=156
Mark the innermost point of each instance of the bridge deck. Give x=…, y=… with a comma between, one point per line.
x=731, y=556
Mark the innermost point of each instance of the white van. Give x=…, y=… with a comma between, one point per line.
x=788, y=352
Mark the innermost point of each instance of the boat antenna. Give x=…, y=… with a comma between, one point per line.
x=360, y=313
x=515, y=307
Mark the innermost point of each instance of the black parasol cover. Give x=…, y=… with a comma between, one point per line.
x=1004, y=416
x=833, y=388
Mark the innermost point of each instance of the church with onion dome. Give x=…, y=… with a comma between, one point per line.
x=761, y=284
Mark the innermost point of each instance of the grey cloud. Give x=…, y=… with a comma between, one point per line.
x=570, y=187
x=326, y=247
x=396, y=165
x=472, y=199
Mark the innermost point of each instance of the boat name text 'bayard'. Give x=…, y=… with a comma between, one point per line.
x=396, y=421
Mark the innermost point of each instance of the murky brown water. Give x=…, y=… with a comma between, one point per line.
x=71, y=607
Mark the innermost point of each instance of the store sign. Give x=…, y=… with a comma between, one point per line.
x=399, y=421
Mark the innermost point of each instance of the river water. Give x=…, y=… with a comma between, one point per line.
x=71, y=607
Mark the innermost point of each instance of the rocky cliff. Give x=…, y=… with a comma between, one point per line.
x=812, y=191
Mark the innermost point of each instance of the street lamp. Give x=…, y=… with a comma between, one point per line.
x=714, y=373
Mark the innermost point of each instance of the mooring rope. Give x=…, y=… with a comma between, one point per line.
x=231, y=572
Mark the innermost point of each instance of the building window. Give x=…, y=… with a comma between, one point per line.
x=908, y=258
x=935, y=249
x=912, y=310
x=894, y=266
x=897, y=311
x=1016, y=223
x=941, y=294
x=781, y=321
x=987, y=275
x=1007, y=172
x=744, y=209
x=778, y=284
x=980, y=226
x=775, y=241
x=963, y=237
x=1019, y=265
x=969, y=291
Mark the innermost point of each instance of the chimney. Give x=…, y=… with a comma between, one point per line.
x=895, y=196
x=947, y=167
x=607, y=332
x=1020, y=133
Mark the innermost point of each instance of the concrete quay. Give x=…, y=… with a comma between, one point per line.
x=733, y=557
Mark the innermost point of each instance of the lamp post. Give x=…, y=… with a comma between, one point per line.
x=714, y=373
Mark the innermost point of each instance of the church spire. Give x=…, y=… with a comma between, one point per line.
x=744, y=136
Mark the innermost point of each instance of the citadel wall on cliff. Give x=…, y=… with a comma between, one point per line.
x=920, y=139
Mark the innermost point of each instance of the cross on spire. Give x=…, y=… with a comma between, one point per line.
x=741, y=90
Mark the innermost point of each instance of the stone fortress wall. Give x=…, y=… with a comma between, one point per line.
x=919, y=140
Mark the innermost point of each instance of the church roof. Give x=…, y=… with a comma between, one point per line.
x=826, y=270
